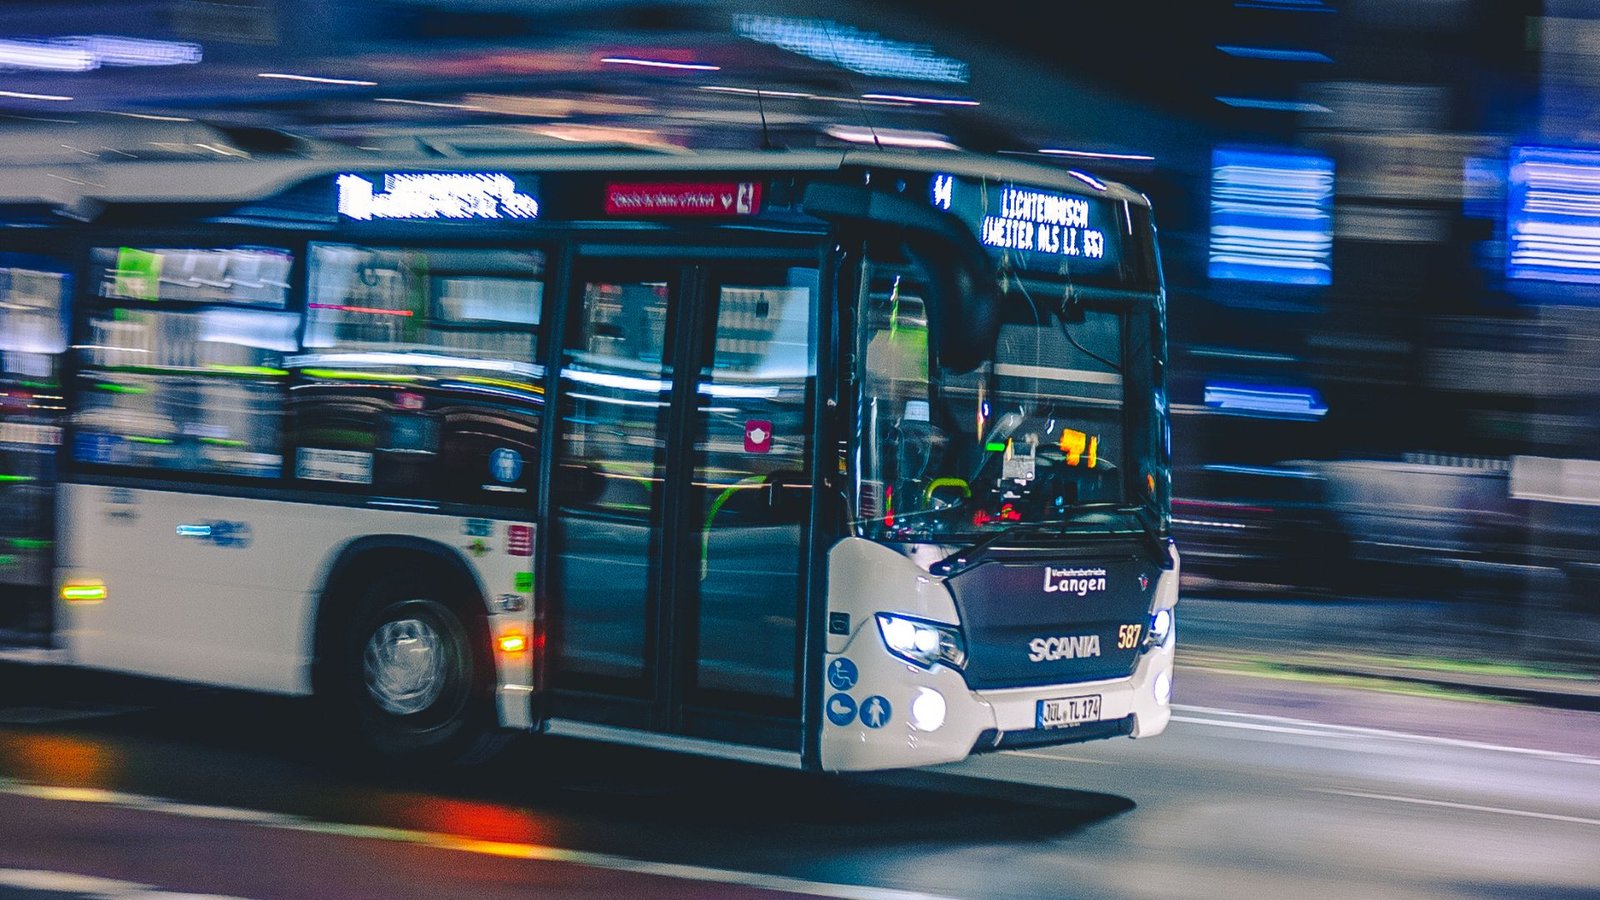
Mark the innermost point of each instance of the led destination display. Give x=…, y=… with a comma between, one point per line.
x=1038, y=230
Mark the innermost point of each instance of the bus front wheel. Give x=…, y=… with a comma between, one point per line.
x=408, y=680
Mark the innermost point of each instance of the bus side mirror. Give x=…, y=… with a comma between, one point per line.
x=963, y=285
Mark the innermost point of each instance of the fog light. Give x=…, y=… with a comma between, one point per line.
x=1163, y=687
x=1160, y=627
x=927, y=710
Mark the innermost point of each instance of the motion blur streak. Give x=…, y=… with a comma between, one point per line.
x=1555, y=215
x=1271, y=218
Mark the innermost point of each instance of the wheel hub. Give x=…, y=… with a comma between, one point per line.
x=405, y=666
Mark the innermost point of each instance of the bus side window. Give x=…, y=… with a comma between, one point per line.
x=421, y=373
x=182, y=370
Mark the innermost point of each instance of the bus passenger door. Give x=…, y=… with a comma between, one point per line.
x=748, y=504
x=679, y=499
x=608, y=490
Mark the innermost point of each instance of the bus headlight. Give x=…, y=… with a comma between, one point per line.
x=927, y=710
x=1161, y=627
x=922, y=643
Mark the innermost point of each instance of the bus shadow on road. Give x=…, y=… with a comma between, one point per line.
x=675, y=798
x=265, y=752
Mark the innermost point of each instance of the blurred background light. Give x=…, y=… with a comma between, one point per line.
x=1553, y=220
x=864, y=52
x=1271, y=217
x=1265, y=401
x=1275, y=54
x=84, y=53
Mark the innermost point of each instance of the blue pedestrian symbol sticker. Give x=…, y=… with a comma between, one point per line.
x=505, y=464
x=875, y=712
x=842, y=674
x=841, y=709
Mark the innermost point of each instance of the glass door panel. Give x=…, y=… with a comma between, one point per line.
x=608, y=483
x=749, y=498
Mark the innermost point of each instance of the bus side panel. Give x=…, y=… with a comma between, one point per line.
x=223, y=591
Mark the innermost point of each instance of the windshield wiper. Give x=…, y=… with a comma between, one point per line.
x=960, y=559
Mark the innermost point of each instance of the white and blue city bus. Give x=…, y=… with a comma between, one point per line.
x=836, y=460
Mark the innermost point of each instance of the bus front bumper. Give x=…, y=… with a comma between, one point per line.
x=997, y=719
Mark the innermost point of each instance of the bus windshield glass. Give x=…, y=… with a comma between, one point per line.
x=1039, y=433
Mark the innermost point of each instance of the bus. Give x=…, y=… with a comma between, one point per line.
x=837, y=460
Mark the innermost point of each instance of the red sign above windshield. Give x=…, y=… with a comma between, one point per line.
x=729, y=198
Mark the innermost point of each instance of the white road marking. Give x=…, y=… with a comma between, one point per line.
x=509, y=849
x=1058, y=757
x=1285, y=725
x=1470, y=807
x=92, y=886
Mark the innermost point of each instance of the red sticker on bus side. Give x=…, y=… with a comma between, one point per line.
x=519, y=540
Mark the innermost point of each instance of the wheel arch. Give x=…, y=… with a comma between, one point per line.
x=366, y=557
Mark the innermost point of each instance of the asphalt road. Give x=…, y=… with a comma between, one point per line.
x=1260, y=788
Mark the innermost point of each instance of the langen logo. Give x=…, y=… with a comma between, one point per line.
x=1074, y=646
x=1073, y=581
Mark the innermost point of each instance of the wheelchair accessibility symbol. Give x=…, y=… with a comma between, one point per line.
x=842, y=674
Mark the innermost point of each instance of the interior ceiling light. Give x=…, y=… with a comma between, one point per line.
x=660, y=64
x=317, y=79
x=859, y=51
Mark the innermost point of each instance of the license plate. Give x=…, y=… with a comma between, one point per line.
x=1064, y=712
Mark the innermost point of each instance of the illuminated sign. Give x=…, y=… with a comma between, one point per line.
x=1265, y=401
x=1553, y=225
x=432, y=195
x=1271, y=217
x=1043, y=222
x=1036, y=229
x=729, y=198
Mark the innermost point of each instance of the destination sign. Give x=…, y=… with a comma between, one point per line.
x=1040, y=230
x=730, y=198
x=435, y=195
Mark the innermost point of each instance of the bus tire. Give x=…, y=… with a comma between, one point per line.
x=409, y=678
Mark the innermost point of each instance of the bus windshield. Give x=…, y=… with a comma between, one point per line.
x=1040, y=433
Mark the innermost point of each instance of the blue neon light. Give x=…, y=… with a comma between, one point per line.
x=859, y=51
x=1265, y=401
x=1271, y=217
x=1275, y=54
x=1274, y=105
x=1553, y=216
